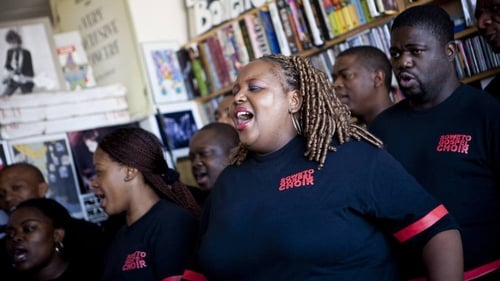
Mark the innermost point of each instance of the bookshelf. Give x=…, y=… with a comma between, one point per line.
x=372, y=30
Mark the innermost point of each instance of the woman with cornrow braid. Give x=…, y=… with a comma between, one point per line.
x=133, y=177
x=310, y=195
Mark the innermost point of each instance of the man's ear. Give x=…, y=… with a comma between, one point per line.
x=43, y=188
x=295, y=101
x=451, y=49
x=379, y=78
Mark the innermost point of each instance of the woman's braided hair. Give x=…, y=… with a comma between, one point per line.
x=140, y=149
x=322, y=115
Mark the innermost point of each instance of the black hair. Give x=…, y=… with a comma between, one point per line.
x=140, y=149
x=13, y=37
x=429, y=17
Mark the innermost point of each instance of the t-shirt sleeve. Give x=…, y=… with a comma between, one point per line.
x=407, y=211
x=174, y=244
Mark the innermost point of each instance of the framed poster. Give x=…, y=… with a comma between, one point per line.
x=52, y=155
x=28, y=58
x=178, y=122
x=165, y=76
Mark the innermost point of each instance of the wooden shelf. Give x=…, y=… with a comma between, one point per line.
x=481, y=75
x=214, y=94
x=466, y=32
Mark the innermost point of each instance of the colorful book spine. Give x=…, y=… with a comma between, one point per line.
x=358, y=9
x=279, y=29
x=207, y=60
x=330, y=12
x=289, y=27
x=228, y=50
x=300, y=24
x=241, y=47
x=246, y=39
x=314, y=28
x=323, y=20
x=272, y=39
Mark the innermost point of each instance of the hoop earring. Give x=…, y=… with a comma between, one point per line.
x=59, y=247
x=296, y=123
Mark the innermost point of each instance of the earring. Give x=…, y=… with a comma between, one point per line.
x=296, y=123
x=59, y=247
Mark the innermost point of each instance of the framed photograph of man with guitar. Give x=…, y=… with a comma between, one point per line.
x=28, y=58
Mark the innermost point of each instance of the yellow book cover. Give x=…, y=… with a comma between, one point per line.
x=354, y=15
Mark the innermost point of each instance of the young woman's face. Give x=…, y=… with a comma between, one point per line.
x=31, y=239
x=109, y=183
x=261, y=111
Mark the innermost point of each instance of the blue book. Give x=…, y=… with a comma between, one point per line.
x=359, y=11
x=272, y=39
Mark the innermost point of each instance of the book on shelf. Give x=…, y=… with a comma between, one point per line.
x=335, y=24
x=229, y=49
x=267, y=24
x=366, y=10
x=468, y=9
x=246, y=38
x=358, y=9
x=215, y=49
x=301, y=27
x=256, y=35
x=206, y=60
x=241, y=48
x=279, y=29
x=194, y=74
x=312, y=18
x=289, y=27
x=322, y=19
x=372, y=8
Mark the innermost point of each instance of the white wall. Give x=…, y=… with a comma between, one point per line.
x=159, y=20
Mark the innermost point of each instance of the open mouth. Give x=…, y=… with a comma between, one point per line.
x=201, y=178
x=405, y=79
x=243, y=117
x=19, y=255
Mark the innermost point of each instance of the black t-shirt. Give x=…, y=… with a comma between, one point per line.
x=453, y=150
x=158, y=245
x=278, y=217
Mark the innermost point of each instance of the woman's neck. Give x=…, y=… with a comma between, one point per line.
x=141, y=203
x=53, y=270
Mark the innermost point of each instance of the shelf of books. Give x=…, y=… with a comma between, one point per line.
x=319, y=29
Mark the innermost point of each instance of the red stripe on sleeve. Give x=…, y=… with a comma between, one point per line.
x=193, y=276
x=422, y=224
x=475, y=273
